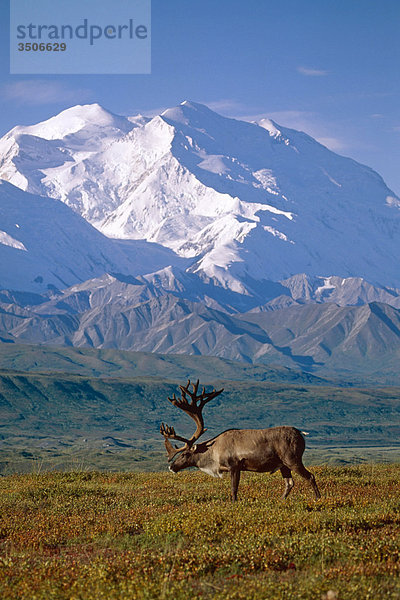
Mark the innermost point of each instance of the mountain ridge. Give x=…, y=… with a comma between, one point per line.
x=316, y=337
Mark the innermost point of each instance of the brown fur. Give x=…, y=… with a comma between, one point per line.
x=258, y=450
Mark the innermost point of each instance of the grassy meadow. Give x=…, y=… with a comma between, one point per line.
x=84, y=515
x=92, y=536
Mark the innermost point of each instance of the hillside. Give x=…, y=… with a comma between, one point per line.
x=89, y=362
x=45, y=245
x=350, y=342
x=58, y=419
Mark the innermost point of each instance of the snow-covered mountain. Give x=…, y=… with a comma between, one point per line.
x=45, y=245
x=242, y=202
x=194, y=233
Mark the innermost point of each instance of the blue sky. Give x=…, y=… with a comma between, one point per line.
x=330, y=68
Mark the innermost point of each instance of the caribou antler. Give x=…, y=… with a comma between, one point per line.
x=194, y=409
x=169, y=434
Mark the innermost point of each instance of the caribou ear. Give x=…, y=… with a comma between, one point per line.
x=194, y=447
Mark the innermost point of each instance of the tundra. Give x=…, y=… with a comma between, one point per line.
x=235, y=450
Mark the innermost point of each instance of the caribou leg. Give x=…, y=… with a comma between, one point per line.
x=235, y=478
x=302, y=471
x=287, y=476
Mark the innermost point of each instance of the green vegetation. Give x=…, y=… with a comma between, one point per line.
x=83, y=534
x=101, y=409
x=91, y=535
x=67, y=421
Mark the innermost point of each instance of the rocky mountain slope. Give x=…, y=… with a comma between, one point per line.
x=132, y=316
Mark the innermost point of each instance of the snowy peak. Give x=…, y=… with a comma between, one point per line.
x=74, y=119
x=192, y=114
x=269, y=126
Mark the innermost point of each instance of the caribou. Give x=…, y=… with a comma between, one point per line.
x=235, y=450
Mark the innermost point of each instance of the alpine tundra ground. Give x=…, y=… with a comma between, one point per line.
x=91, y=535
